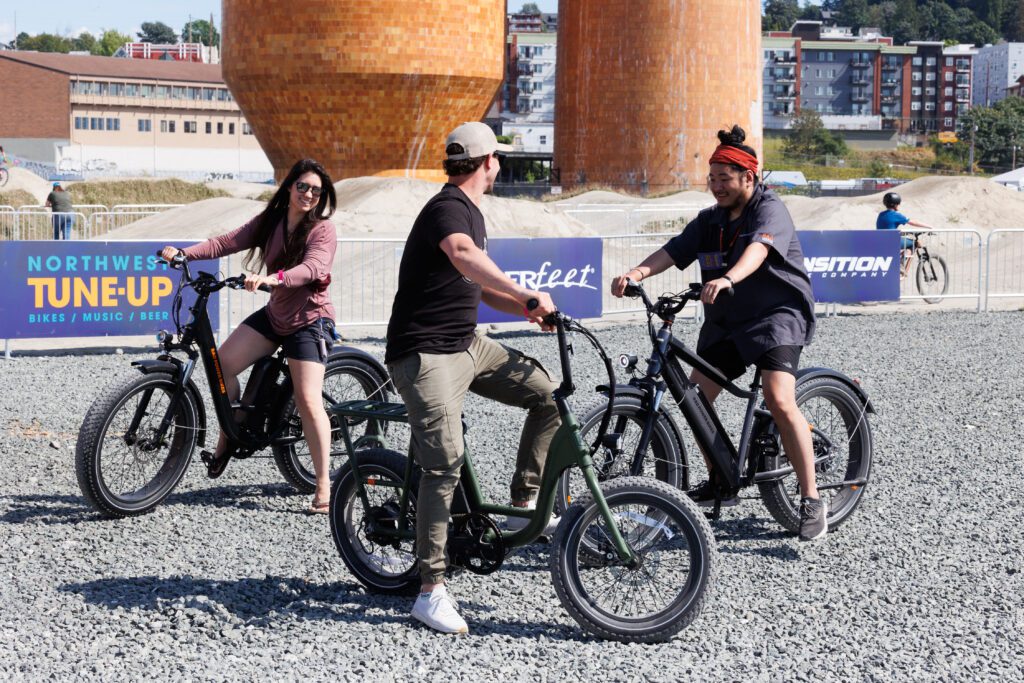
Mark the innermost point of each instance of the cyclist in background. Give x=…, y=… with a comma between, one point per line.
x=892, y=219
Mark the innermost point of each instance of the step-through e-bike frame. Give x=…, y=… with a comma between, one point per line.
x=566, y=450
x=733, y=467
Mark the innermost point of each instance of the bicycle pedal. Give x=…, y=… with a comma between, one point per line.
x=215, y=466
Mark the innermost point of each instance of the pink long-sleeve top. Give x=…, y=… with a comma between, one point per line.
x=301, y=298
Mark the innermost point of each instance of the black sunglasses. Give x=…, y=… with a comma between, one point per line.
x=306, y=187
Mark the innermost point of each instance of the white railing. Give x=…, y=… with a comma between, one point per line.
x=622, y=252
x=148, y=208
x=103, y=222
x=957, y=256
x=1004, y=276
x=38, y=225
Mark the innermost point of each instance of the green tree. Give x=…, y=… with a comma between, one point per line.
x=111, y=41
x=998, y=129
x=202, y=32
x=529, y=8
x=808, y=137
x=85, y=42
x=44, y=42
x=157, y=32
x=779, y=15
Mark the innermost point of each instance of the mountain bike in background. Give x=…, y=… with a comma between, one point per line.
x=138, y=437
x=931, y=274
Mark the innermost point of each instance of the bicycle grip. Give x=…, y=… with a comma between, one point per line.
x=265, y=288
x=532, y=304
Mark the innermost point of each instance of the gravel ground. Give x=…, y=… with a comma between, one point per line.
x=229, y=580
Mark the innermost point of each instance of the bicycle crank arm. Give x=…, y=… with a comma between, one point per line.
x=781, y=472
x=841, y=484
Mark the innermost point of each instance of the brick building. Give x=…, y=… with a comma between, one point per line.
x=864, y=82
x=151, y=117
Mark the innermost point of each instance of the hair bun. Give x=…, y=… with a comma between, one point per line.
x=734, y=137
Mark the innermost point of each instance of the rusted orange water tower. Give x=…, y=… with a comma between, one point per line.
x=368, y=88
x=642, y=88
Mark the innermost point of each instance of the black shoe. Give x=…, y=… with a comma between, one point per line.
x=813, y=519
x=704, y=496
x=215, y=466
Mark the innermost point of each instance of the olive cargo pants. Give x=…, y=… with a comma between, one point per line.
x=433, y=387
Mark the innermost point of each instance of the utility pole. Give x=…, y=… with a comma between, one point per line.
x=974, y=129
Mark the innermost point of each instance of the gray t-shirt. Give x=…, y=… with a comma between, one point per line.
x=774, y=306
x=60, y=202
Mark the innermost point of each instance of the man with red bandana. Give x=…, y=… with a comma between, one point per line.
x=747, y=243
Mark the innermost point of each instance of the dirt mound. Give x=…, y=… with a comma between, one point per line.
x=381, y=207
x=20, y=179
x=689, y=197
x=938, y=201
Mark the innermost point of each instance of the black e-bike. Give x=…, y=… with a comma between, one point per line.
x=644, y=438
x=138, y=437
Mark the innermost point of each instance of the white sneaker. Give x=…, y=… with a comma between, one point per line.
x=517, y=523
x=437, y=610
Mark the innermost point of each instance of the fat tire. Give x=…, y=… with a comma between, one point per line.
x=4, y=175
x=665, y=623
x=666, y=446
x=941, y=273
x=345, y=499
x=89, y=458
x=293, y=464
x=783, y=505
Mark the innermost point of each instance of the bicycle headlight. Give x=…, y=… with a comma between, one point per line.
x=162, y=336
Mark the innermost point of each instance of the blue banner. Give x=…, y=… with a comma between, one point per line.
x=850, y=266
x=569, y=269
x=72, y=288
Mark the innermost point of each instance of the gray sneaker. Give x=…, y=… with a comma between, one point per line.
x=813, y=519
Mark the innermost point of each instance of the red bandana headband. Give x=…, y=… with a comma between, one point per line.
x=727, y=154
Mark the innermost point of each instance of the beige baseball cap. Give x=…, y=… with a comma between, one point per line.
x=472, y=140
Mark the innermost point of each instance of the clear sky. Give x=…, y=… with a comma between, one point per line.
x=69, y=18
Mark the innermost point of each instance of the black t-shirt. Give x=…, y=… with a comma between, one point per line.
x=773, y=306
x=435, y=309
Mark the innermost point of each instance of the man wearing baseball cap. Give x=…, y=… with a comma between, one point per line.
x=435, y=356
x=63, y=219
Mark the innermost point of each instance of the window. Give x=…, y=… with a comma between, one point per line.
x=916, y=76
x=246, y=129
x=947, y=91
x=113, y=124
x=177, y=92
x=163, y=92
x=543, y=139
x=915, y=106
x=117, y=89
x=930, y=92
x=929, y=106
x=949, y=75
x=131, y=90
x=916, y=92
x=930, y=61
x=220, y=127
x=949, y=61
x=916, y=61
x=930, y=76
x=831, y=73
x=231, y=129
x=81, y=123
x=145, y=126
x=947, y=122
x=190, y=127
x=947, y=106
x=209, y=127
x=95, y=123
x=166, y=126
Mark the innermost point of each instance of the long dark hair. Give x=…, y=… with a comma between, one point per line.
x=277, y=211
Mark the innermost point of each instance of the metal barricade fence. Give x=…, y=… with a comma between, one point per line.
x=38, y=225
x=956, y=257
x=148, y=208
x=364, y=280
x=602, y=221
x=1004, y=278
x=102, y=222
x=669, y=218
x=8, y=219
x=622, y=252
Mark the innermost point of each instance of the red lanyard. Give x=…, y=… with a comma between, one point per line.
x=721, y=236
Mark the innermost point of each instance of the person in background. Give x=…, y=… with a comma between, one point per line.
x=892, y=219
x=295, y=242
x=63, y=219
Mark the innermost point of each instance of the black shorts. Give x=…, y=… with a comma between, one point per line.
x=726, y=357
x=302, y=344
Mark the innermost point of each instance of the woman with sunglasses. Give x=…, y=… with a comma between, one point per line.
x=295, y=242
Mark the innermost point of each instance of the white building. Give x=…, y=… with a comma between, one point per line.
x=529, y=105
x=996, y=67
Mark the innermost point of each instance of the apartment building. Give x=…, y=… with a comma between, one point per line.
x=864, y=82
x=154, y=117
x=996, y=68
x=528, y=95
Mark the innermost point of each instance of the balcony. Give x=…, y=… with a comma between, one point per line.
x=784, y=61
x=890, y=67
x=860, y=97
x=963, y=65
x=963, y=96
x=858, y=79
x=784, y=97
x=888, y=99
x=858, y=63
